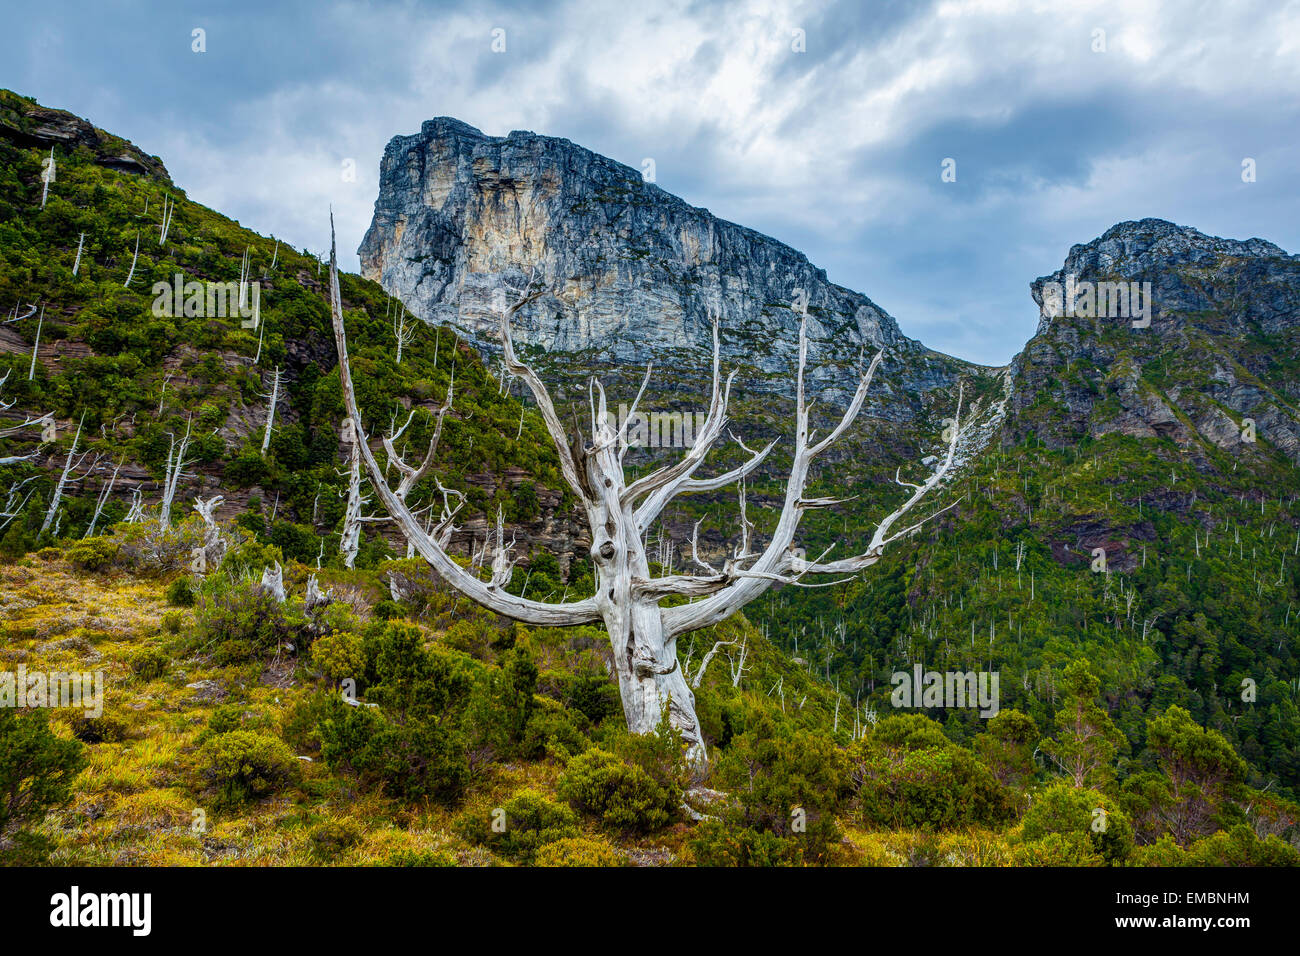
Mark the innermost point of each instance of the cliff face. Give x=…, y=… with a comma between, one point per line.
x=633, y=271
x=1222, y=349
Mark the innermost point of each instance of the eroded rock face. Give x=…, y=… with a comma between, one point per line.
x=1221, y=351
x=634, y=272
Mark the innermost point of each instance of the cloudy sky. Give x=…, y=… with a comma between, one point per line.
x=823, y=124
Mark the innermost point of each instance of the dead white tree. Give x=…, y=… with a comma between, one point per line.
x=643, y=635
x=73, y=462
x=135, y=513
x=350, y=536
x=77, y=263
x=104, y=493
x=11, y=428
x=165, y=226
x=273, y=582
x=270, y=415
x=14, y=504
x=47, y=177
x=402, y=331
x=15, y=317
x=40, y=322
x=243, y=278
x=213, y=549
x=134, y=257
x=176, y=465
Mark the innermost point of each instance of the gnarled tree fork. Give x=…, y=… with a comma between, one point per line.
x=643, y=635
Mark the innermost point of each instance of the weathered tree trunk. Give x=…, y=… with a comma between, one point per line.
x=645, y=655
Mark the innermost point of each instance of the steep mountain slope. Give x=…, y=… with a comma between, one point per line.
x=91, y=347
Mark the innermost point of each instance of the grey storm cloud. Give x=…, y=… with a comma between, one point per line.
x=823, y=124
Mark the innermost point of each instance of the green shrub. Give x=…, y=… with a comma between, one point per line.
x=1164, y=852
x=242, y=624
x=718, y=844
x=787, y=783
x=340, y=655
x=93, y=554
x=930, y=789
x=909, y=732
x=1241, y=847
x=531, y=820
x=594, y=694
x=37, y=770
x=244, y=765
x=300, y=726
x=149, y=663
x=552, y=732
x=1057, y=849
x=411, y=761
x=1063, y=809
x=622, y=796
x=388, y=609
x=180, y=593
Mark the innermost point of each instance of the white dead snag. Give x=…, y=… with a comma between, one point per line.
x=708, y=659
x=40, y=322
x=314, y=597
x=9, y=429
x=69, y=466
x=738, y=667
x=273, y=582
x=77, y=262
x=15, y=317
x=243, y=278
x=502, y=567
x=101, y=501
x=13, y=505
x=261, y=331
x=214, y=543
x=134, y=257
x=47, y=177
x=168, y=209
x=270, y=415
x=411, y=475
x=135, y=514
x=275, y=254
x=163, y=394
x=176, y=465
x=403, y=332
x=643, y=635
x=350, y=539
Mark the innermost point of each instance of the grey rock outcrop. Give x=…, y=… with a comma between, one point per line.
x=634, y=272
x=1220, y=354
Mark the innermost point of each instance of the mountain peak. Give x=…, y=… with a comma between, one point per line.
x=634, y=271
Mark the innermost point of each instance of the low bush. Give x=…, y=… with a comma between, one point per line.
x=244, y=765
x=621, y=795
